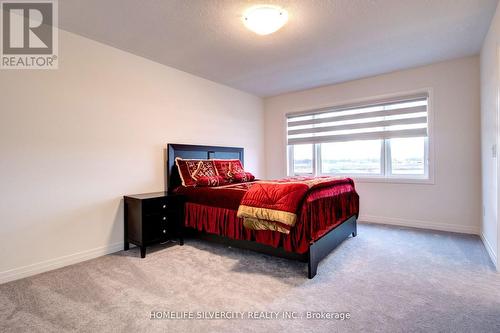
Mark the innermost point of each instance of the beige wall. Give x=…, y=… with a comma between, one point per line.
x=489, y=135
x=73, y=141
x=453, y=201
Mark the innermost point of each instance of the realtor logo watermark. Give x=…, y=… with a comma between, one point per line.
x=29, y=34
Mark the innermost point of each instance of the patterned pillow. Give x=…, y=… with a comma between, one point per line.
x=211, y=181
x=191, y=170
x=236, y=167
x=242, y=177
x=206, y=168
x=186, y=169
x=226, y=168
x=222, y=167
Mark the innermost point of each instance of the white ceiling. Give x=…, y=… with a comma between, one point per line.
x=324, y=42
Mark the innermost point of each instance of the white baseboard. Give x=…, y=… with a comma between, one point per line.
x=48, y=265
x=490, y=250
x=420, y=224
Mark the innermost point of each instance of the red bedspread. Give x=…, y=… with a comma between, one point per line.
x=214, y=210
x=273, y=205
x=228, y=196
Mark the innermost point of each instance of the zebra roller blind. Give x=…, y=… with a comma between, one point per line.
x=398, y=118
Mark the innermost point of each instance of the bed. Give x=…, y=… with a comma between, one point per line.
x=326, y=216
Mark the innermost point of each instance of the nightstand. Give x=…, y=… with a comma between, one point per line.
x=152, y=218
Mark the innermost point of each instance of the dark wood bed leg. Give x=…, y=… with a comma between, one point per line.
x=126, y=244
x=143, y=252
x=312, y=265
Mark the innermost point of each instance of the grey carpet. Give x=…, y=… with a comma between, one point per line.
x=389, y=279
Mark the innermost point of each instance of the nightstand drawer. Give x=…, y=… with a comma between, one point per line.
x=156, y=228
x=157, y=219
x=155, y=206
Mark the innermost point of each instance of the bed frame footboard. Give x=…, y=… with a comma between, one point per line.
x=326, y=244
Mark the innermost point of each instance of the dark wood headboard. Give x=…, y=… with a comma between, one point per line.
x=196, y=152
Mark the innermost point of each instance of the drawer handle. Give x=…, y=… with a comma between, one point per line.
x=164, y=218
x=164, y=206
x=164, y=231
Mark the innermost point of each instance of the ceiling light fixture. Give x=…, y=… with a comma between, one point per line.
x=265, y=19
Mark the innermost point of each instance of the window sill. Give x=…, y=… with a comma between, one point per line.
x=417, y=181
x=368, y=179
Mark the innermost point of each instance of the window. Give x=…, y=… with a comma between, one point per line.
x=408, y=156
x=351, y=157
x=382, y=140
x=303, y=159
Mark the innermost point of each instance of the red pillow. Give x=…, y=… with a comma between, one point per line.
x=242, y=177
x=236, y=167
x=206, y=168
x=222, y=167
x=186, y=169
x=211, y=181
x=226, y=168
x=191, y=170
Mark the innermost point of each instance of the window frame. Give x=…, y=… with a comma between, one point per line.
x=386, y=165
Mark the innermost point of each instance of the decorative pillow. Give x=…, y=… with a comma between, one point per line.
x=236, y=167
x=226, y=168
x=222, y=167
x=191, y=170
x=206, y=168
x=211, y=181
x=186, y=169
x=242, y=177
